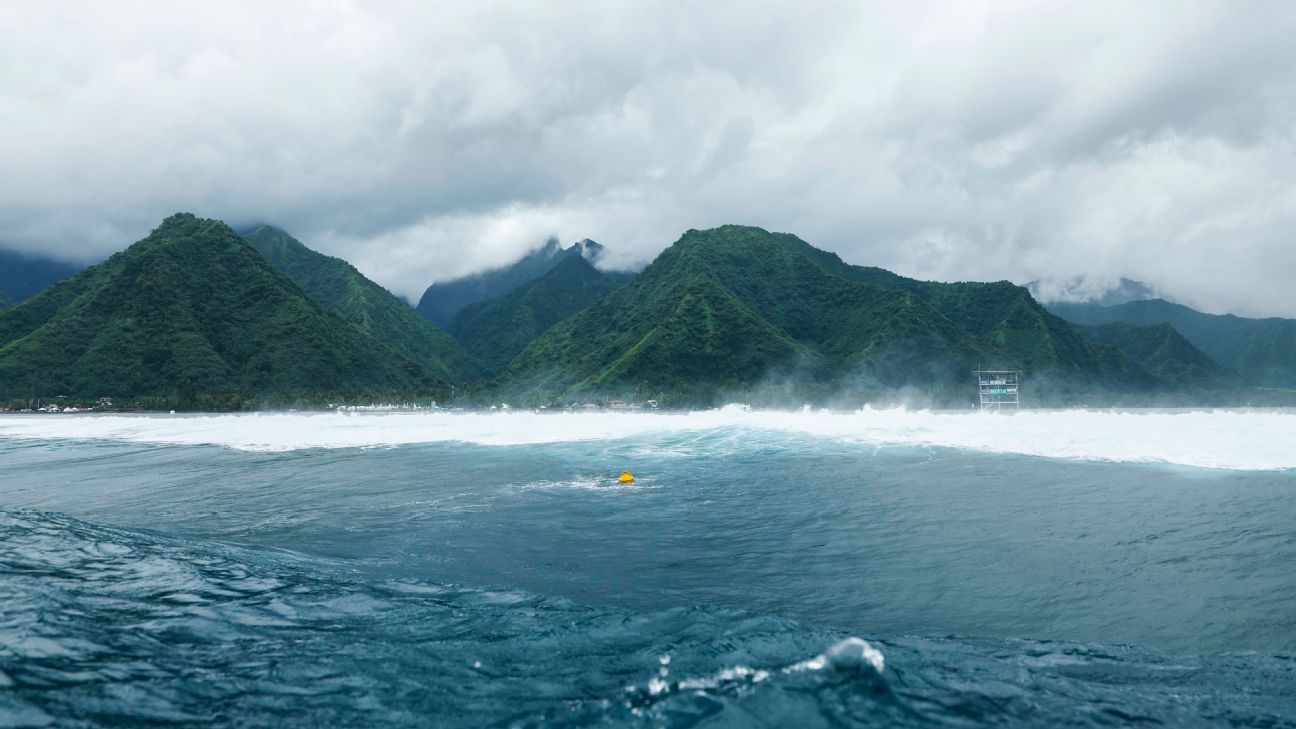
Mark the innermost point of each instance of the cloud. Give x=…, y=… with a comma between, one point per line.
x=971, y=140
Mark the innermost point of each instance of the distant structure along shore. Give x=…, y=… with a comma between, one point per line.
x=999, y=389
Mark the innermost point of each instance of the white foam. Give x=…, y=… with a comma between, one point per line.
x=850, y=654
x=1239, y=440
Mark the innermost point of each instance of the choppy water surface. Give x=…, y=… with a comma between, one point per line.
x=446, y=570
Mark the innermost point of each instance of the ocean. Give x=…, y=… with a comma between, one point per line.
x=781, y=569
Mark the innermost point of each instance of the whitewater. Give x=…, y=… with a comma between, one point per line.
x=768, y=568
x=1215, y=439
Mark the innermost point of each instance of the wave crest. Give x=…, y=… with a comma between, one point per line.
x=1236, y=440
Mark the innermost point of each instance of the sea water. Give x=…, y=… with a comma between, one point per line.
x=765, y=569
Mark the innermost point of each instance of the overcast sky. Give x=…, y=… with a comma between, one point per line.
x=421, y=141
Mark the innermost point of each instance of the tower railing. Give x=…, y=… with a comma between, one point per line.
x=999, y=389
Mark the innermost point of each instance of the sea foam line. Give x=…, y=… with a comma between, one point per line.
x=1220, y=439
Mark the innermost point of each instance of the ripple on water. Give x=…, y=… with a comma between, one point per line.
x=103, y=626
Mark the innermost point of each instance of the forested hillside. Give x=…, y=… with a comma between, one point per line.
x=733, y=308
x=337, y=286
x=192, y=315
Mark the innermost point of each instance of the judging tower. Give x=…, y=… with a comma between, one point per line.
x=999, y=389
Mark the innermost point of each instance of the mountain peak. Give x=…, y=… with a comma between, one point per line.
x=187, y=231
x=588, y=249
x=191, y=311
x=265, y=229
x=755, y=306
x=175, y=220
x=497, y=330
x=1082, y=289
x=443, y=300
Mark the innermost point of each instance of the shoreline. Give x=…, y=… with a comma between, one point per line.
x=827, y=410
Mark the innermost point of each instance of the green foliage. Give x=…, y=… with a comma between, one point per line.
x=1262, y=351
x=1163, y=352
x=442, y=301
x=735, y=307
x=195, y=317
x=190, y=314
x=337, y=286
x=498, y=330
x=1021, y=332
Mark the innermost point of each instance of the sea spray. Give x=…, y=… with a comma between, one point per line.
x=1221, y=439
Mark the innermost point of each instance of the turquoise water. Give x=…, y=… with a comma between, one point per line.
x=768, y=570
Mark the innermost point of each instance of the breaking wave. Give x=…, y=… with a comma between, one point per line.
x=1219, y=439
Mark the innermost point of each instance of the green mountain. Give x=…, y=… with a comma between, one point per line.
x=442, y=301
x=735, y=308
x=1008, y=319
x=337, y=286
x=5, y=301
x=191, y=315
x=498, y=330
x=1262, y=351
x=22, y=276
x=196, y=316
x=1164, y=352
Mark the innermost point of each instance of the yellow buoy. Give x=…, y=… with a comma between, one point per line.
x=627, y=477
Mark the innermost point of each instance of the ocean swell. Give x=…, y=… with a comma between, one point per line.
x=1222, y=439
x=102, y=626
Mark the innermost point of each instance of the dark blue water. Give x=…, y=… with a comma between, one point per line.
x=465, y=585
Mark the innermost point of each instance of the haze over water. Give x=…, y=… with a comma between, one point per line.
x=1045, y=568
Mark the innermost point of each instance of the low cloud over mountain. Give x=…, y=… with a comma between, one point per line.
x=950, y=141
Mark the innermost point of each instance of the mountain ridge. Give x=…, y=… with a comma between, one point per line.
x=1090, y=290
x=497, y=330
x=1164, y=352
x=196, y=316
x=1262, y=351
x=442, y=301
x=336, y=285
x=192, y=315
x=824, y=323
